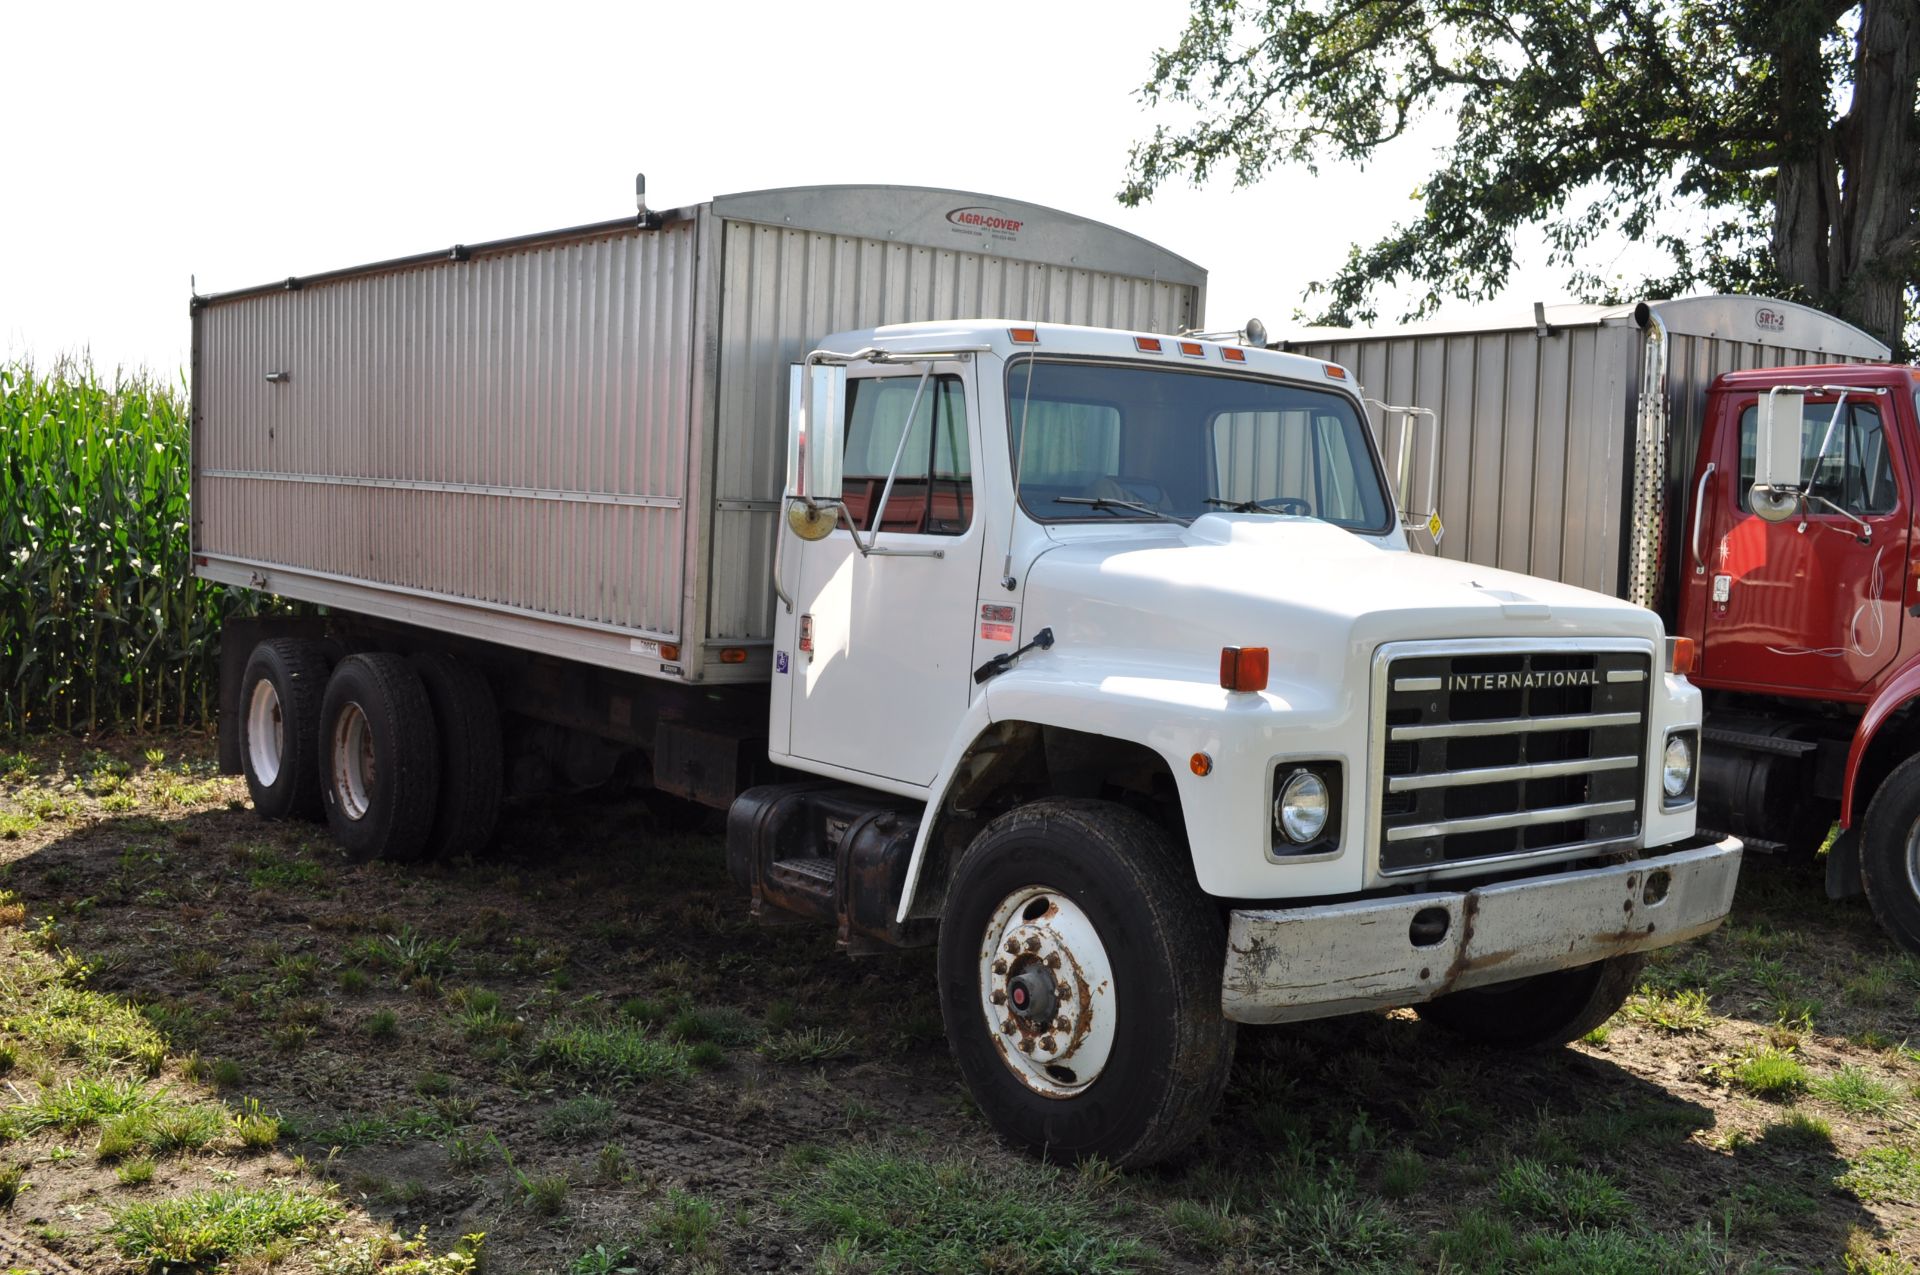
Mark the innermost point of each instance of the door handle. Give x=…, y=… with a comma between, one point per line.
x=1700, y=516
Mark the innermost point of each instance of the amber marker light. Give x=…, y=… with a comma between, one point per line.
x=1683, y=655
x=1335, y=372
x=1243, y=668
x=1147, y=344
x=733, y=655
x=1233, y=354
x=669, y=651
x=1023, y=336
x=1201, y=765
x=1193, y=349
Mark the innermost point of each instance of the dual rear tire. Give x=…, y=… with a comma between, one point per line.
x=401, y=756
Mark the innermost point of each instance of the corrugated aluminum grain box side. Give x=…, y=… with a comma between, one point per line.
x=1538, y=430
x=797, y=264
x=494, y=442
x=1531, y=454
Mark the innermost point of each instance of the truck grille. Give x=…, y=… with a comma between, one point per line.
x=1496, y=755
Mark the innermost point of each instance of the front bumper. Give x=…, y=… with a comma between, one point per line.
x=1339, y=958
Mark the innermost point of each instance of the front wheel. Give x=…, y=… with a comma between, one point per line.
x=1542, y=1012
x=1080, y=983
x=1890, y=854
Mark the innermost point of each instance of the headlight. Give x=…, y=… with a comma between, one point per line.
x=1676, y=772
x=1301, y=809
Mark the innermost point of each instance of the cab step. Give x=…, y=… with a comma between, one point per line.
x=828, y=853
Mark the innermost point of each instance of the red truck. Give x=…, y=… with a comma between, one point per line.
x=1748, y=467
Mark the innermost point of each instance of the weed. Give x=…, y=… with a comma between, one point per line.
x=707, y=1055
x=1570, y=1197
x=352, y=980
x=544, y=1193
x=13, y=1180
x=808, y=1046
x=207, y=1227
x=601, y=1260
x=93, y=1029
x=290, y=1038
x=256, y=1129
x=1856, y=1091
x=1403, y=1173
x=610, y=1166
x=684, y=1224
x=912, y=1214
x=227, y=1073
x=579, y=1119
x=780, y=1015
x=610, y=1053
x=433, y=1084
x=381, y=1024
x=1800, y=1129
x=1884, y=1174
x=198, y=964
x=1683, y=1012
x=1208, y=1228
x=135, y=1172
x=638, y=1009
x=1771, y=1073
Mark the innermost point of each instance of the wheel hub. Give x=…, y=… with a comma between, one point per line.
x=1047, y=990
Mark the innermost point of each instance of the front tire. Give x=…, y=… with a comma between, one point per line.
x=381, y=756
x=280, y=694
x=1542, y=1012
x=1890, y=854
x=1079, y=971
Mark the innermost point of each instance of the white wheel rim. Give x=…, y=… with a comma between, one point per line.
x=1058, y=1048
x=266, y=732
x=353, y=761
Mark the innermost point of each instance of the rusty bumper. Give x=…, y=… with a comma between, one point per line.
x=1338, y=958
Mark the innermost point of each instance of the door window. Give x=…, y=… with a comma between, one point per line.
x=933, y=487
x=1857, y=471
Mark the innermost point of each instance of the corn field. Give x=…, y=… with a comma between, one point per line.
x=102, y=625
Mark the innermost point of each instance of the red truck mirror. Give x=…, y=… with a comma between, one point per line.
x=1777, y=481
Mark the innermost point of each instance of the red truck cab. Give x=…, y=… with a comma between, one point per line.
x=1807, y=629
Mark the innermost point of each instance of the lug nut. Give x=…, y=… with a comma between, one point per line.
x=1062, y=990
x=1026, y=1046
x=999, y=967
x=1006, y=1027
x=1062, y=1023
x=999, y=997
x=1013, y=947
x=1046, y=1043
x=1053, y=960
x=1033, y=942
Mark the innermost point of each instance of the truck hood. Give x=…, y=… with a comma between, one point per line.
x=1320, y=598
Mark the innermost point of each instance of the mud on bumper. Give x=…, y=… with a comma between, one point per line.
x=1339, y=958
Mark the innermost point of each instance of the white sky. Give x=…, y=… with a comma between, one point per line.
x=243, y=143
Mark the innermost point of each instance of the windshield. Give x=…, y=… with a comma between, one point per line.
x=1107, y=441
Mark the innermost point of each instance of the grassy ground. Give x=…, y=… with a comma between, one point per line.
x=220, y=1042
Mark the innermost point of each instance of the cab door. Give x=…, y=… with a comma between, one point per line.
x=1810, y=604
x=882, y=643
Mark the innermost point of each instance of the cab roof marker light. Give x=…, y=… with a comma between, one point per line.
x=1233, y=354
x=1335, y=372
x=1147, y=344
x=1193, y=349
x=1023, y=336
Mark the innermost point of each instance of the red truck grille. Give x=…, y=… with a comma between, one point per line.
x=1493, y=756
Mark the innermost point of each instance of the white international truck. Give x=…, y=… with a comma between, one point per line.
x=1083, y=643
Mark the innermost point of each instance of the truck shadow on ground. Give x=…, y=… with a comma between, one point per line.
x=593, y=999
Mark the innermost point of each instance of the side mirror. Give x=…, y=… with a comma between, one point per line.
x=1776, y=472
x=816, y=445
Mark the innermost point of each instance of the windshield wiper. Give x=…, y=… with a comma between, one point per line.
x=1108, y=502
x=1287, y=505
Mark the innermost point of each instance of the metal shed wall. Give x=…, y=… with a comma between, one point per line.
x=1537, y=431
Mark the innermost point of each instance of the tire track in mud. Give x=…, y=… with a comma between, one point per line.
x=19, y=1252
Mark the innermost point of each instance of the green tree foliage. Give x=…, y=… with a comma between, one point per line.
x=1766, y=145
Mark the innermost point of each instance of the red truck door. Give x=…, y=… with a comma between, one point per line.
x=1813, y=603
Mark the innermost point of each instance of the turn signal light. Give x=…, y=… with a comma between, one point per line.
x=733, y=655
x=1233, y=354
x=1335, y=372
x=669, y=650
x=1683, y=655
x=1024, y=336
x=1147, y=344
x=1243, y=668
x=1193, y=349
